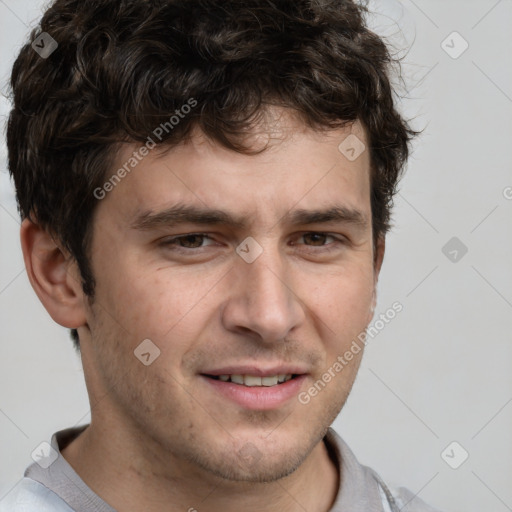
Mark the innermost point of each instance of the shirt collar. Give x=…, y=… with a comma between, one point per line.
x=358, y=490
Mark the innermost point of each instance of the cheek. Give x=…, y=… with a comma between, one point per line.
x=342, y=304
x=160, y=303
x=344, y=298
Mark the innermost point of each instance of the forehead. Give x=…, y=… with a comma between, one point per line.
x=299, y=169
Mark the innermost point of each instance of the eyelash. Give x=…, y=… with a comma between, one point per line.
x=175, y=240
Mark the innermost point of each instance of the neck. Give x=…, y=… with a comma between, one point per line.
x=131, y=478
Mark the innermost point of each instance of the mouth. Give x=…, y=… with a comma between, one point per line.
x=254, y=380
x=270, y=391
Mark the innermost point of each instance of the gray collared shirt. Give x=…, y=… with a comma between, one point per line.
x=53, y=485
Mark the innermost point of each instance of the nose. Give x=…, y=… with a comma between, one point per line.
x=263, y=300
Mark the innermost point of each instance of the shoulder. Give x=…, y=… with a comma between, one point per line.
x=362, y=488
x=31, y=496
x=406, y=500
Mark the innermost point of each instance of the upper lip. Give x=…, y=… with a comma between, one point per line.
x=258, y=371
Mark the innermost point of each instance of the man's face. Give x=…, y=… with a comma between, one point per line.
x=212, y=309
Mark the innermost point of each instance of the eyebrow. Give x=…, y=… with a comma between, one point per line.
x=190, y=214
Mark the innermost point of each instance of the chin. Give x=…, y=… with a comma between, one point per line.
x=257, y=459
x=242, y=468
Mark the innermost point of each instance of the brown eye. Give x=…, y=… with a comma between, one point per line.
x=318, y=242
x=188, y=241
x=316, y=239
x=191, y=241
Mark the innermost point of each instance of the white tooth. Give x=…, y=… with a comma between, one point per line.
x=280, y=377
x=224, y=378
x=237, y=379
x=288, y=377
x=251, y=380
x=269, y=381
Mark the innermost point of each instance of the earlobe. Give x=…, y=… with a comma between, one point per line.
x=379, y=256
x=53, y=275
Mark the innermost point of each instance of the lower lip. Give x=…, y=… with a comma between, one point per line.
x=258, y=397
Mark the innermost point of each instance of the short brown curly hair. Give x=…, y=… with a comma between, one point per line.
x=122, y=67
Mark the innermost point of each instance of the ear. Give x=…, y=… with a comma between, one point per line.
x=377, y=265
x=54, y=275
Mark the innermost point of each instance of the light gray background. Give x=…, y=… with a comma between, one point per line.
x=440, y=371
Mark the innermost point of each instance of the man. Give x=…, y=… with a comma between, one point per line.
x=205, y=190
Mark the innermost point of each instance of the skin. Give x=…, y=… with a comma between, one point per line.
x=160, y=437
